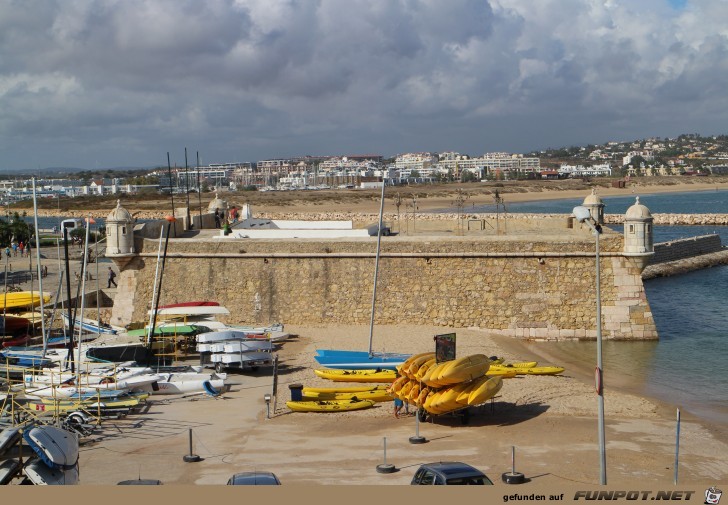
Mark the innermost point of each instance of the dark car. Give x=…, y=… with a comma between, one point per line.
x=140, y=482
x=449, y=473
x=253, y=479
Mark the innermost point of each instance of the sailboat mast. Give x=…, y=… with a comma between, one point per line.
x=68, y=293
x=84, y=266
x=199, y=189
x=376, y=267
x=170, y=220
x=154, y=289
x=40, y=277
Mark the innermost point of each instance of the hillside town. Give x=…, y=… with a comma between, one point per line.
x=686, y=155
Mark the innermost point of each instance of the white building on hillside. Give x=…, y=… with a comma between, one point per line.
x=601, y=170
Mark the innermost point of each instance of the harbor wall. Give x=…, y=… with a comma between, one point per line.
x=686, y=248
x=526, y=287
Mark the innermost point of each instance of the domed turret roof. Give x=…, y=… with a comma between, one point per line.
x=119, y=214
x=217, y=203
x=593, y=199
x=638, y=211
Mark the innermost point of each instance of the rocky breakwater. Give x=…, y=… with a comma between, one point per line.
x=659, y=219
x=677, y=219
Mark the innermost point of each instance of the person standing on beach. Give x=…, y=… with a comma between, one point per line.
x=398, y=404
x=112, y=275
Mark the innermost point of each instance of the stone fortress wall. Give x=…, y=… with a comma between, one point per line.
x=523, y=278
x=529, y=286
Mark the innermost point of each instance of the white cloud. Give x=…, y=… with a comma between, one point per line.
x=263, y=78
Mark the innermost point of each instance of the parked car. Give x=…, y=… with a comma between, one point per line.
x=449, y=473
x=253, y=479
x=140, y=482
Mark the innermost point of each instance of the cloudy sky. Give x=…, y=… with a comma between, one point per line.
x=95, y=84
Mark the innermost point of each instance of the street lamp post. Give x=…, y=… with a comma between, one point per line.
x=583, y=215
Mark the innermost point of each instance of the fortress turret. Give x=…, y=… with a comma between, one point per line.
x=217, y=203
x=596, y=207
x=638, y=241
x=119, y=233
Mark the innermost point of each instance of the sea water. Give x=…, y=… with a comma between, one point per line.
x=687, y=366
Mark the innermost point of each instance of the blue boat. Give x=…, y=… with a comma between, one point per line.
x=22, y=358
x=359, y=360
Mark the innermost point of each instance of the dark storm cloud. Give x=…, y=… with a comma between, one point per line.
x=115, y=82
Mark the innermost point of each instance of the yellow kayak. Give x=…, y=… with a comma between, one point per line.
x=517, y=364
x=458, y=370
x=329, y=406
x=462, y=395
x=372, y=375
x=23, y=299
x=504, y=373
x=344, y=389
x=539, y=370
x=377, y=395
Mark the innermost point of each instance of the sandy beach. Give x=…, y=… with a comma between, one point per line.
x=550, y=420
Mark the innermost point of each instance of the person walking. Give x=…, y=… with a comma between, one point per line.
x=217, y=218
x=112, y=275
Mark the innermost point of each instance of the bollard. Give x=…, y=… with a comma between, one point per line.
x=417, y=439
x=385, y=467
x=191, y=458
x=513, y=477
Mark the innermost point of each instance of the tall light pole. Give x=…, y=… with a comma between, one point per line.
x=583, y=215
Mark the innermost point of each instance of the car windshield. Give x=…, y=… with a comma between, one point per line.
x=259, y=480
x=472, y=481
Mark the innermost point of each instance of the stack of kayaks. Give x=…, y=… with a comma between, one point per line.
x=435, y=387
x=445, y=387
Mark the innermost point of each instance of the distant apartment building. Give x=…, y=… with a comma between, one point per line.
x=415, y=161
x=601, y=170
x=346, y=163
x=491, y=164
x=274, y=167
x=646, y=154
